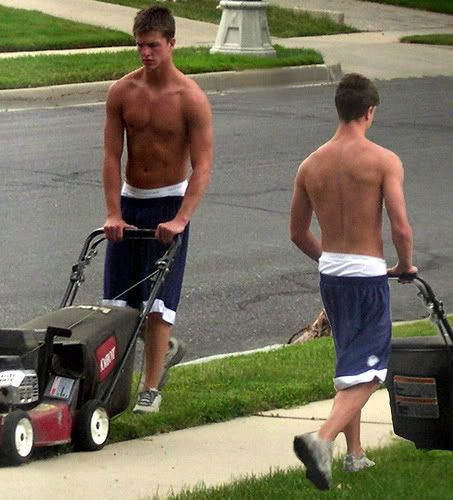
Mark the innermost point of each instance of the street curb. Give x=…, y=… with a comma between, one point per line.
x=84, y=93
x=215, y=357
x=269, y=348
x=278, y=77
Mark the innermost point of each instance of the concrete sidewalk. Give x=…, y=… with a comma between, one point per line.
x=367, y=16
x=210, y=454
x=377, y=53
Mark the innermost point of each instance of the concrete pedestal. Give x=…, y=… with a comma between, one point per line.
x=243, y=29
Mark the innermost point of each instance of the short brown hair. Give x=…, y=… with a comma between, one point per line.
x=354, y=96
x=155, y=19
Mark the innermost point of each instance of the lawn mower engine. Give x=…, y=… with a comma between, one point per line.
x=420, y=381
x=19, y=361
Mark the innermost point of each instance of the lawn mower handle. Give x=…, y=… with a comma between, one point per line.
x=425, y=289
x=403, y=276
x=430, y=301
x=89, y=251
x=132, y=233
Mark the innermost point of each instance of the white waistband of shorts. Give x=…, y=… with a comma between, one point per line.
x=349, y=264
x=173, y=190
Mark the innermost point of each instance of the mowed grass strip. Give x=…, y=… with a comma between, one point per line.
x=401, y=472
x=441, y=6
x=24, y=30
x=282, y=22
x=432, y=39
x=38, y=71
x=238, y=386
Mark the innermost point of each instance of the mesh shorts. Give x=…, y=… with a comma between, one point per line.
x=128, y=262
x=358, y=309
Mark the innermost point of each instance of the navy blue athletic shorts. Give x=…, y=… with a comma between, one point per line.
x=128, y=262
x=358, y=309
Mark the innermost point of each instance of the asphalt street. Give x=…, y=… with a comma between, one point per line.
x=246, y=285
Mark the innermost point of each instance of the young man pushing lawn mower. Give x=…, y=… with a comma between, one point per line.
x=168, y=126
x=345, y=183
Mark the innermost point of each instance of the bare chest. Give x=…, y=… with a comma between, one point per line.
x=154, y=115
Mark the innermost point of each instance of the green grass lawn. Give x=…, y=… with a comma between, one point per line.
x=238, y=386
x=25, y=30
x=38, y=71
x=401, y=473
x=441, y=6
x=282, y=22
x=31, y=30
x=433, y=39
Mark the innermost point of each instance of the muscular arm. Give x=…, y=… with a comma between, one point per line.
x=300, y=219
x=111, y=172
x=199, y=123
x=396, y=210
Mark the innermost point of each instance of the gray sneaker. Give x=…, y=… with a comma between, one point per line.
x=148, y=402
x=316, y=455
x=354, y=463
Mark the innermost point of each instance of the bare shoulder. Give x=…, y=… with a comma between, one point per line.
x=119, y=88
x=314, y=158
x=389, y=161
x=195, y=100
x=307, y=166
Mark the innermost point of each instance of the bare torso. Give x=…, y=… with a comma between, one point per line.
x=343, y=180
x=156, y=132
x=164, y=119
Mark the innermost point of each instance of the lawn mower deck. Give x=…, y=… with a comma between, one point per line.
x=63, y=375
x=420, y=381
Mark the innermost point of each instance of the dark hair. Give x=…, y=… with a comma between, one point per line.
x=355, y=94
x=155, y=19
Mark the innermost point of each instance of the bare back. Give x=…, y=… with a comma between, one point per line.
x=344, y=182
x=347, y=182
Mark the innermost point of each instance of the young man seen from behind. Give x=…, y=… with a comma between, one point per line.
x=345, y=184
x=167, y=123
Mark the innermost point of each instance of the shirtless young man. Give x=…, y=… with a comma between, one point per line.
x=168, y=126
x=345, y=183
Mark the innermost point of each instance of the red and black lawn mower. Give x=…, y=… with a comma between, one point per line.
x=420, y=380
x=65, y=374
